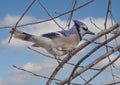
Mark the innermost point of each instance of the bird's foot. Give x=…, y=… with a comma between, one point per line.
x=58, y=60
x=70, y=53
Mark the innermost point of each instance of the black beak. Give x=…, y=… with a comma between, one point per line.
x=89, y=32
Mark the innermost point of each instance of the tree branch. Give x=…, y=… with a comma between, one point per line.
x=90, y=53
x=91, y=64
x=13, y=29
x=90, y=1
x=102, y=69
x=68, y=57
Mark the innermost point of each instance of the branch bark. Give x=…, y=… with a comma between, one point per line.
x=91, y=52
x=102, y=69
x=90, y=1
x=21, y=18
x=68, y=57
x=91, y=64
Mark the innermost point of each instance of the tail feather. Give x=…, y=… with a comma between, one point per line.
x=38, y=41
x=22, y=35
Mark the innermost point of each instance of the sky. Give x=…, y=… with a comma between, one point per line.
x=17, y=53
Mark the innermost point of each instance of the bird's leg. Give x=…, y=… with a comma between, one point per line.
x=67, y=51
x=58, y=59
x=70, y=52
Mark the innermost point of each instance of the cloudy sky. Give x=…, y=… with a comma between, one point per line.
x=17, y=53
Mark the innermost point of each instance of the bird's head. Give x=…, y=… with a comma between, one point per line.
x=82, y=28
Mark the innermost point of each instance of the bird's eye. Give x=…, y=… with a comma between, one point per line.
x=84, y=28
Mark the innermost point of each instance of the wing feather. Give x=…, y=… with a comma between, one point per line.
x=51, y=35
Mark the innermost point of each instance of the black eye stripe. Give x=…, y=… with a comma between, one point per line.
x=84, y=28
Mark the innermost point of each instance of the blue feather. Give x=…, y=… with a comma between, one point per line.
x=51, y=35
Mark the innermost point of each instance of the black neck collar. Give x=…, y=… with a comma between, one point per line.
x=78, y=31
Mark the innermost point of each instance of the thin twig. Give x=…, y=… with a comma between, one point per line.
x=21, y=19
x=105, y=25
x=90, y=53
x=40, y=52
x=62, y=14
x=68, y=57
x=102, y=69
x=71, y=14
x=83, y=78
x=95, y=25
x=100, y=43
x=22, y=69
x=91, y=64
x=106, y=18
x=49, y=14
x=115, y=83
x=34, y=74
x=59, y=59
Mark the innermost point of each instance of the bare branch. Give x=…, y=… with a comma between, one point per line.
x=90, y=1
x=102, y=69
x=113, y=83
x=59, y=59
x=91, y=64
x=105, y=25
x=40, y=53
x=21, y=19
x=100, y=43
x=71, y=14
x=77, y=70
x=108, y=10
x=49, y=14
x=95, y=24
x=68, y=57
x=91, y=52
x=22, y=69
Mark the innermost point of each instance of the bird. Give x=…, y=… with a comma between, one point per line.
x=58, y=43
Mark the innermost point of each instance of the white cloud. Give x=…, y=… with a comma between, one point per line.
x=45, y=27
x=14, y=43
x=44, y=68
x=99, y=22
x=35, y=29
x=41, y=68
x=18, y=77
x=11, y=20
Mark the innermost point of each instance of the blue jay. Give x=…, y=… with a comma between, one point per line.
x=57, y=43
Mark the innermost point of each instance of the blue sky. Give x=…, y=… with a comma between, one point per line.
x=16, y=52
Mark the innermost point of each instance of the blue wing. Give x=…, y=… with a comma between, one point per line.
x=64, y=33
x=51, y=35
